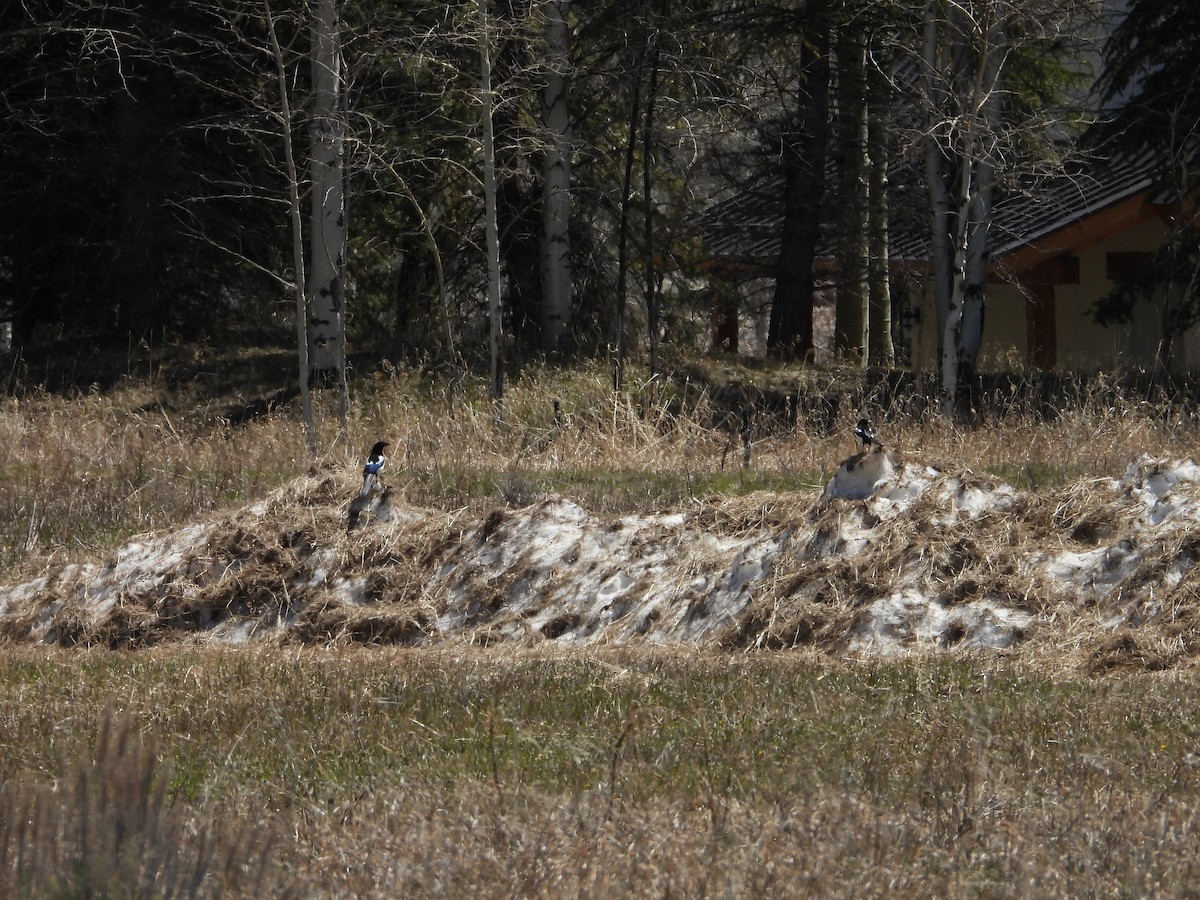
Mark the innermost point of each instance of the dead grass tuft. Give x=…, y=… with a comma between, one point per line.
x=109, y=828
x=1124, y=650
x=604, y=772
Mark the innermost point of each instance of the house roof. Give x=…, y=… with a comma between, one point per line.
x=744, y=231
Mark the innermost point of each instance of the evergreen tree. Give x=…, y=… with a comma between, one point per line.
x=1151, y=76
x=803, y=152
x=1151, y=85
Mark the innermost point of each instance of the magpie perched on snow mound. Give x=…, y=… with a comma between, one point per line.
x=374, y=463
x=864, y=432
x=862, y=475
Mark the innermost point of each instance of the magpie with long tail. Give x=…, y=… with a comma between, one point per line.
x=371, y=469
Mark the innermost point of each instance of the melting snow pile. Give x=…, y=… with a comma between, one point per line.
x=893, y=555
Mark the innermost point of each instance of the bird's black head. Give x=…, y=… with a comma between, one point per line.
x=378, y=448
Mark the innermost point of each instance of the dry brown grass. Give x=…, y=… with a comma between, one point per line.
x=432, y=773
x=108, y=828
x=80, y=474
x=1065, y=769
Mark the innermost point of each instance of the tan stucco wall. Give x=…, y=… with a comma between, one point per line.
x=1082, y=344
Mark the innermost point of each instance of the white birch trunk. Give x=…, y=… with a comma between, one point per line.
x=852, y=300
x=556, y=177
x=285, y=117
x=879, y=326
x=963, y=55
x=941, y=247
x=651, y=286
x=495, y=313
x=952, y=331
x=975, y=275
x=328, y=231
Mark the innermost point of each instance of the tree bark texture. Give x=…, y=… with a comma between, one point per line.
x=850, y=323
x=556, y=181
x=879, y=327
x=804, y=150
x=491, y=228
x=963, y=56
x=327, y=234
x=285, y=123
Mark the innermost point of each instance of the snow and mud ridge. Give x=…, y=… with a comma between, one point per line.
x=893, y=555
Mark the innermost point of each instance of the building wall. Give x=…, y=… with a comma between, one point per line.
x=1082, y=344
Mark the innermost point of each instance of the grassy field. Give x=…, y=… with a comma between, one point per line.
x=689, y=773
x=182, y=771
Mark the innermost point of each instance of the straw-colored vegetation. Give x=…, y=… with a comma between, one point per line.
x=412, y=773
x=81, y=472
x=182, y=771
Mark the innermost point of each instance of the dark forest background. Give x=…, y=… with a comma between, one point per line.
x=143, y=187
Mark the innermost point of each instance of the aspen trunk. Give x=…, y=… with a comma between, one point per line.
x=491, y=228
x=327, y=235
x=879, y=326
x=556, y=180
x=850, y=324
x=285, y=121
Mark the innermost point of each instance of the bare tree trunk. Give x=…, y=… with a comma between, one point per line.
x=495, y=313
x=140, y=306
x=975, y=274
x=805, y=150
x=1172, y=301
x=285, y=115
x=879, y=327
x=652, y=296
x=556, y=176
x=963, y=54
x=952, y=329
x=936, y=175
x=635, y=108
x=850, y=326
x=435, y=254
x=989, y=91
x=328, y=231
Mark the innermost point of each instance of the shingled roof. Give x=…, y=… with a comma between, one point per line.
x=743, y=231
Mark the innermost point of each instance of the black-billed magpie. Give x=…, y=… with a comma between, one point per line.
x=864, y=432
x=374, y=463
